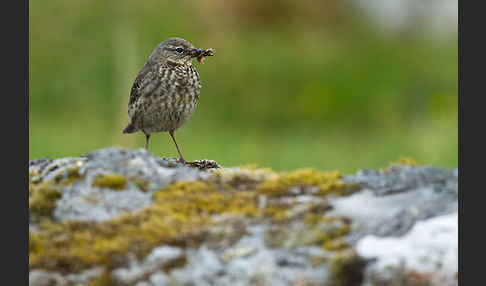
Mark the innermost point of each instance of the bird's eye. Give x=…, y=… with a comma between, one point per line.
x=179, y=50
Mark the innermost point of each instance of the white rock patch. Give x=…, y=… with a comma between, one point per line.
x=430, y=247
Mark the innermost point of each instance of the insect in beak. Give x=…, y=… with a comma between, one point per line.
x=200, y=54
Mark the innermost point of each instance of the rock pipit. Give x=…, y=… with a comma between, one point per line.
x=166, y=90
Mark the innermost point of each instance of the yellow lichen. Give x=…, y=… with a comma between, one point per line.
x=43, y=195
x=182, y=214
x=241, y=178
x=112, y=181
x=276, y=212
x=334, y=244
x=141, y=184
x=104, y=279
x=35, y=245
x=408, y=161
x=42, y=198
x=327, y=182
x=71, y=176
x=330, y=230
x=33, y=176
x=33, y=173
x=207, y=198
x=400, y=163
x=250, y=167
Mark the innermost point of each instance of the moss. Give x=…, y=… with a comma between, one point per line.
x=35, y=245
x=72, y=176
x=242, y=178
x=42, y=198
x=309, y=229
x=68, y=176
x=331, y=230
x=346, y=268
x=63, y=178
x=141, y=184
x=208, y=198
x=407, y=161
x=102, y=280
x=179, y=215
x=334, y=244
x=112, y=181
x=175, y=263
x=182, y=214
x=327, y=182
x=251, y=167
x=276, y=212
x=398, y=164
x=33, y=173
x=33, y=176
x=43, y=195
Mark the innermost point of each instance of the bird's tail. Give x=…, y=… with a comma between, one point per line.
x=130, y=128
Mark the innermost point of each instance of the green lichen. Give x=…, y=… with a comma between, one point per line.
x=111, y=181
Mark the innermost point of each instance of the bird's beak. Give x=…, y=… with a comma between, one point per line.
x=196, y=52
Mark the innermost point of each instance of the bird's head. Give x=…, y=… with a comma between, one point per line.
x=178, y=51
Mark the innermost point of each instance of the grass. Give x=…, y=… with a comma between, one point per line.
x=307, y=92
x=434, y=143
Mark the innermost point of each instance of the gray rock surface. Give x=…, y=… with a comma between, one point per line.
x=403, y=227
x=248, y=262
x=83, y=201
x=397, y=198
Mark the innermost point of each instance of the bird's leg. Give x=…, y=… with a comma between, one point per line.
x=147, y=137
x=181, y=158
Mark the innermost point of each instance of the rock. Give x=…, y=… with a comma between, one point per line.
x=44, y=278
x=397, y=198
x=87, y=200
x=401, y=178
x=127, y=217
x=428, y=251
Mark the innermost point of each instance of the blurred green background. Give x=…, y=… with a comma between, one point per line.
x=293, y=83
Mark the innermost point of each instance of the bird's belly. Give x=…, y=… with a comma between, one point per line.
x=168, y=113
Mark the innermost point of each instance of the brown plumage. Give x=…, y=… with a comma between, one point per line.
x=166, y=90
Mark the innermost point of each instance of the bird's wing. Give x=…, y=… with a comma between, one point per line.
x=147, y=80
x=156, y=78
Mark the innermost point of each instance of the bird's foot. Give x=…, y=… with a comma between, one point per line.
x=182, y=161
x=200, y=164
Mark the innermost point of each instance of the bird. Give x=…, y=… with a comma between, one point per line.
x=166, y=90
